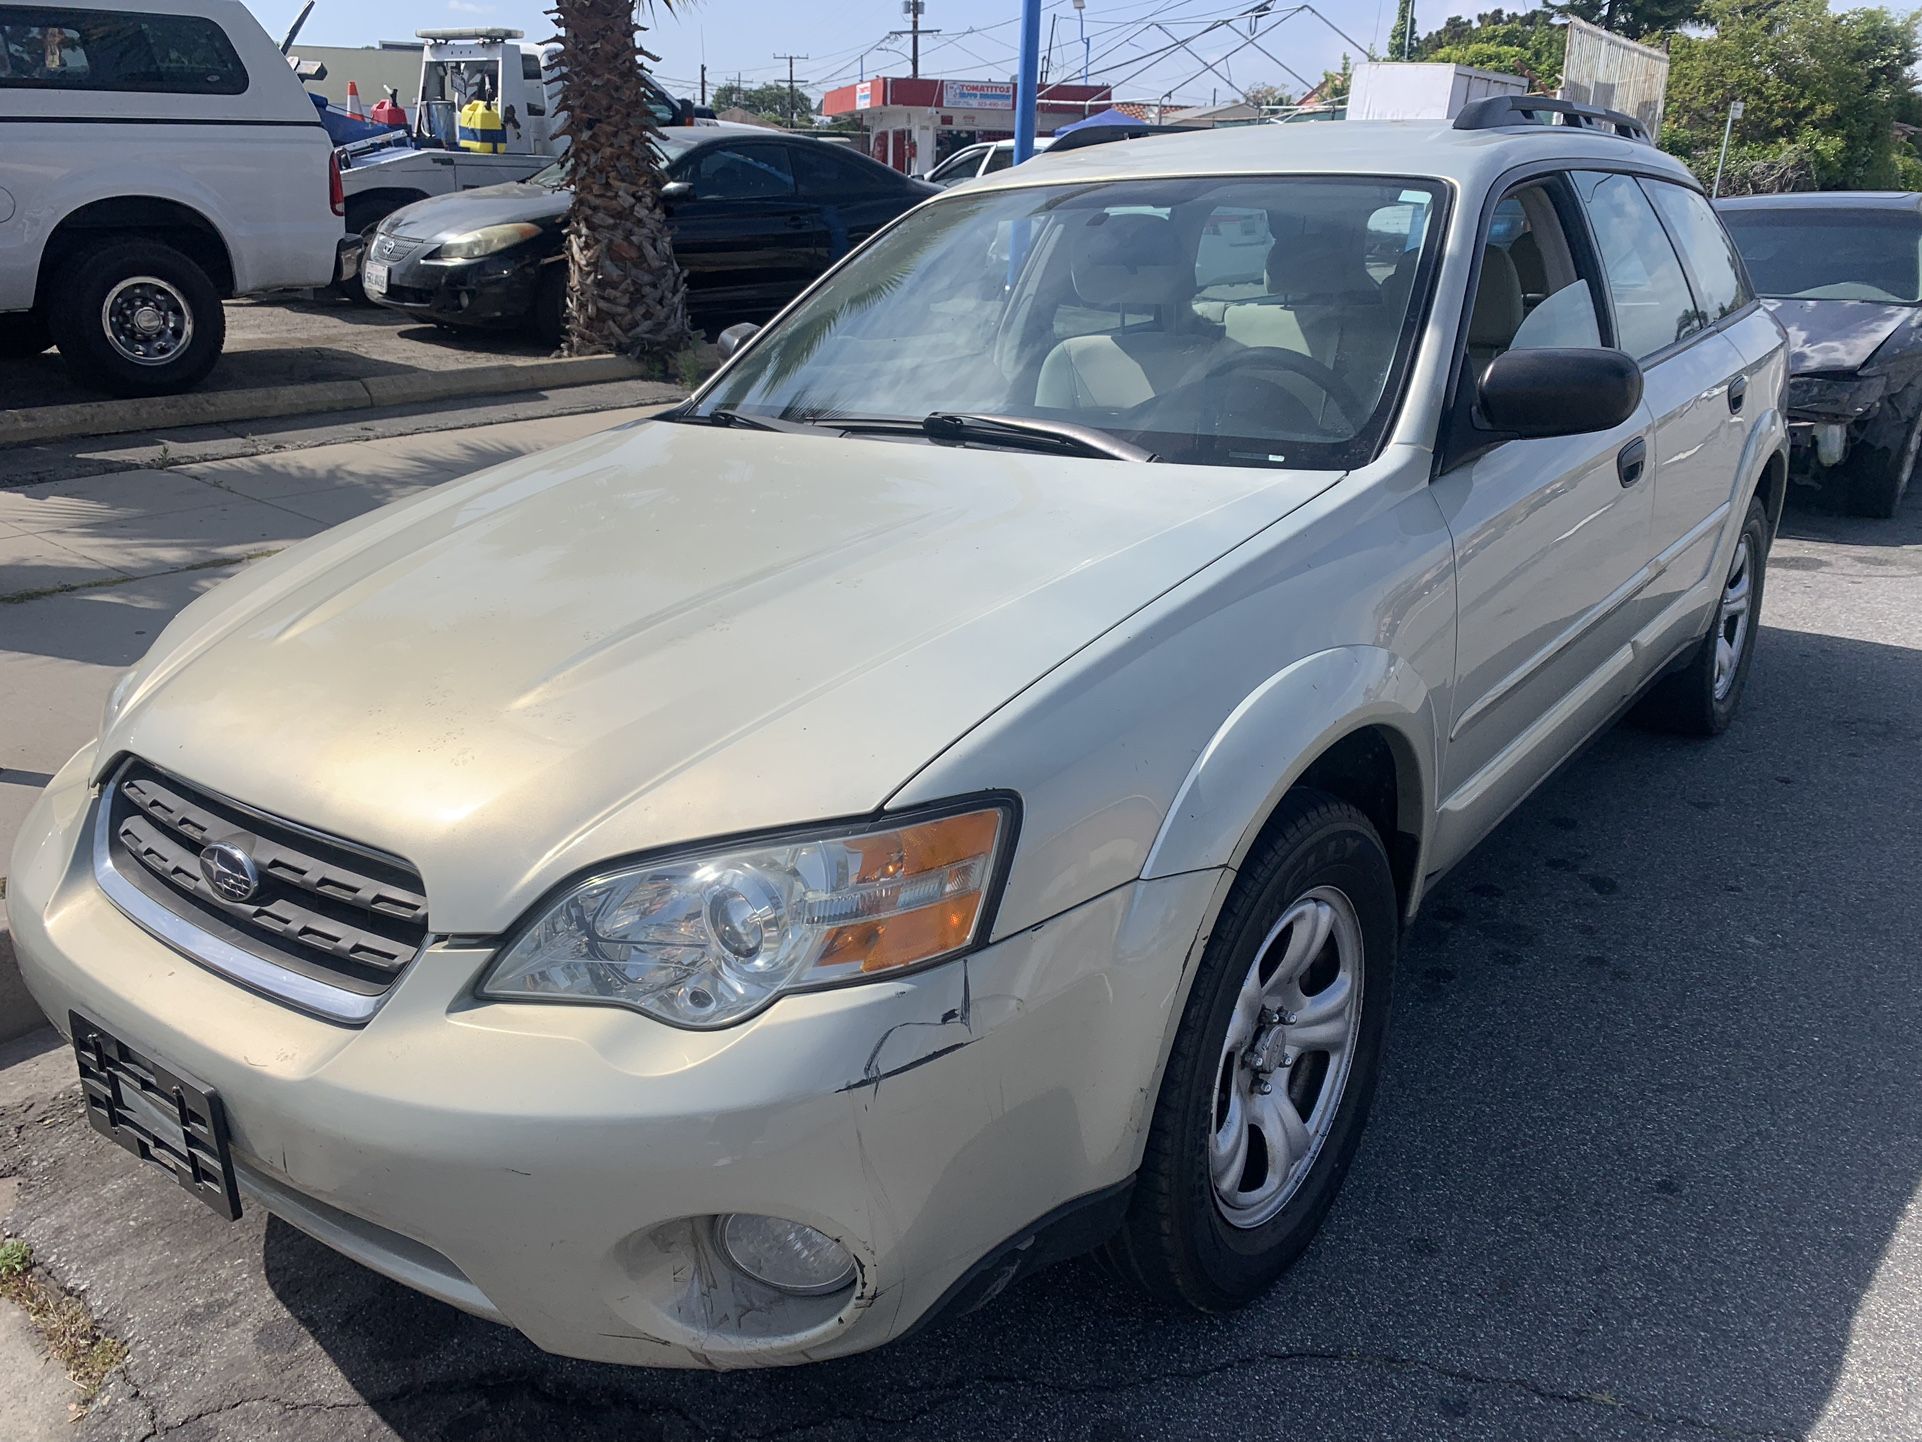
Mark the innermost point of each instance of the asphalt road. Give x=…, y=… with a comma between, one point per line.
x=1644, y=1164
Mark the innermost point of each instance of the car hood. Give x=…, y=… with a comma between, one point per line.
x=442, y=216
x=662, y=633
x=1837, y=335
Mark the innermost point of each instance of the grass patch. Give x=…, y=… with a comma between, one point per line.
x=62, y=1320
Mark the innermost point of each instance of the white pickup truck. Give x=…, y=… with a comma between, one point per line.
x=158, y=156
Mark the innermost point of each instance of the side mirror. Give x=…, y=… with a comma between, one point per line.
x=684, y=111
x=1559, y=392
x=736, y=336
x=675, y=191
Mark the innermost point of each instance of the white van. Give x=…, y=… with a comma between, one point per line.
x=156, y=156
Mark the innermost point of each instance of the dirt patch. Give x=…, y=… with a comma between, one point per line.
x=61, y=1319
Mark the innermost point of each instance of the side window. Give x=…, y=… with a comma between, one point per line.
x=1720, y=284
x=748, y=172
x=821, y=170
x=959, y=166
x=530, y=66
x=1534, y=292
x=112, y=50
x=999, y=158
x=1654, y=307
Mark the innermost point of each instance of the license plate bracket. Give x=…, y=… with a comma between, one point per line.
x=160, y=1114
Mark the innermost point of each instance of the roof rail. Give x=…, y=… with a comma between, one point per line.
x=1494, y=112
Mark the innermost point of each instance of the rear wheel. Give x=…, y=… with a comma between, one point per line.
x=136, y=318
x=23, y=335
x=1703, y=696
x=1273, y=1067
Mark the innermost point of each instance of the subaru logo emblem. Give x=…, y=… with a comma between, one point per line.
x=229, y=871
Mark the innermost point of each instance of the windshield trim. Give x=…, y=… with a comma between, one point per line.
x=1389, y=414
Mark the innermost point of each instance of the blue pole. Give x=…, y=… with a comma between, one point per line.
x=1030, y=82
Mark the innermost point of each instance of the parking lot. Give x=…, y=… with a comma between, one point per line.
x=1644, y=1162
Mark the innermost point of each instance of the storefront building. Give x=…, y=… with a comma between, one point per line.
x=915, y=124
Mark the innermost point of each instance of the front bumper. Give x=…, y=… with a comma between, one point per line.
x=551, y=1166
x=496, y=290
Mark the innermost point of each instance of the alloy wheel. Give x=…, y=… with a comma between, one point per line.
x=1286, y=1058
x=1732, y=622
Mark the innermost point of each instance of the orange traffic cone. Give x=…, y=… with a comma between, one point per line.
x=353, y=102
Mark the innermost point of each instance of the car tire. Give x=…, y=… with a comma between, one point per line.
x=1701, y=697
x=1205, y=1231
x=1879, y=478
x=23, y=335
x=95, y=313
x=549, y=314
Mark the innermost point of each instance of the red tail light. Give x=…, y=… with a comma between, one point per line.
x=336, y=194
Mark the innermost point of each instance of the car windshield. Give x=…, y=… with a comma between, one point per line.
x=1224, y=321
x=672, y=144
x=1840, y=254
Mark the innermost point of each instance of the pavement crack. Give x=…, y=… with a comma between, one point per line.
x=212, y=563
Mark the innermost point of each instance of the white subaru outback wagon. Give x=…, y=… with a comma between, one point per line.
x=732, y=889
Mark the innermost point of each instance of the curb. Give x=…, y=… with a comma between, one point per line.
x=145, y=413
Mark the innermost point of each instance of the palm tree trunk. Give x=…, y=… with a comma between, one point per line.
x=625, y=292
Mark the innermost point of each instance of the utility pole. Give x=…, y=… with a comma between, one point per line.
x=790, y=85
x=912, y=9
x=1081, y=18
x=703, y=82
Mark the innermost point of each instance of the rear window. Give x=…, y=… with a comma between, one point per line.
x=116, y=50
x=1799, y=253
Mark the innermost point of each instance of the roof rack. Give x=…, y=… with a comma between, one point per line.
x=1495, y=112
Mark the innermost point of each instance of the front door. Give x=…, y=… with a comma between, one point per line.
x=1552, y=539
x=747, y=242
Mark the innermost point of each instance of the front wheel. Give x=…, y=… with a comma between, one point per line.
x=1273, y=1066
x=1878, y=479
x=137, y=318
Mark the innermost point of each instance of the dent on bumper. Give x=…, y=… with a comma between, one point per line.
x=552, y=1166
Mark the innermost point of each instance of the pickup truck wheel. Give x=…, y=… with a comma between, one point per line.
x=1701, y=698
x=23, y=335
x=1273, y=1066
x=136, y=318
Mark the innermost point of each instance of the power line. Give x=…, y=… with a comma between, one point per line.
x=790, y=85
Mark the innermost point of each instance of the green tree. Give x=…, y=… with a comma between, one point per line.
x=1636, y=19
x=767, y=101
x=1333, y=89
x=1527, y=43
x=1821, y=92
x=1268, y=95
x=1401, y=39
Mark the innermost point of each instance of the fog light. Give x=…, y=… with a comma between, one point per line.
x=787, y=1256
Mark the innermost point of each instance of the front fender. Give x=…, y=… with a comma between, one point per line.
x=1277, y=732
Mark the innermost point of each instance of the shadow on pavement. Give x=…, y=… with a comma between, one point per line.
x=1647, y=1126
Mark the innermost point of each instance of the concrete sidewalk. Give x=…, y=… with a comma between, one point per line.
x=91, y=569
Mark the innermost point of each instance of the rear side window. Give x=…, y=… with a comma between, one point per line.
x=820, y=169
x=1654, y=307
x=1719, y=283
x=116, y=50
x=1000, y=158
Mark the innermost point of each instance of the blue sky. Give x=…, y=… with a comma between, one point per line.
x=978, y=37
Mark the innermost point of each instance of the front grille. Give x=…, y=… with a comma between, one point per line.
x=395, y=247
x=323, y=909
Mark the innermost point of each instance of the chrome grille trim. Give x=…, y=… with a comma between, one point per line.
x=312, y=994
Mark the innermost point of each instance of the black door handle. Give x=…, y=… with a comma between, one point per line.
x=1737, y=393
x=1630, y=461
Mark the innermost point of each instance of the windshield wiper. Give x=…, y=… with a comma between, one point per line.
x=1059, y=437
x=720, y=416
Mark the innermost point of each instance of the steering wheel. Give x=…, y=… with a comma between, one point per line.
x=1277, y=358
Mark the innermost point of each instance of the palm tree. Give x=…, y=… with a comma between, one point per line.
x=625, y=292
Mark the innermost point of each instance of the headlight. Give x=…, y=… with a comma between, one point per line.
x=1847, y=396
x=487, y=240
x=709, y=937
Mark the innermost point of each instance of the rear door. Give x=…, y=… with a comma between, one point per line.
x=851, y=197
x=1688, y=367
x=747, y=241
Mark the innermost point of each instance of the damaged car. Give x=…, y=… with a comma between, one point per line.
x=745, y=885
x=1842, y=271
